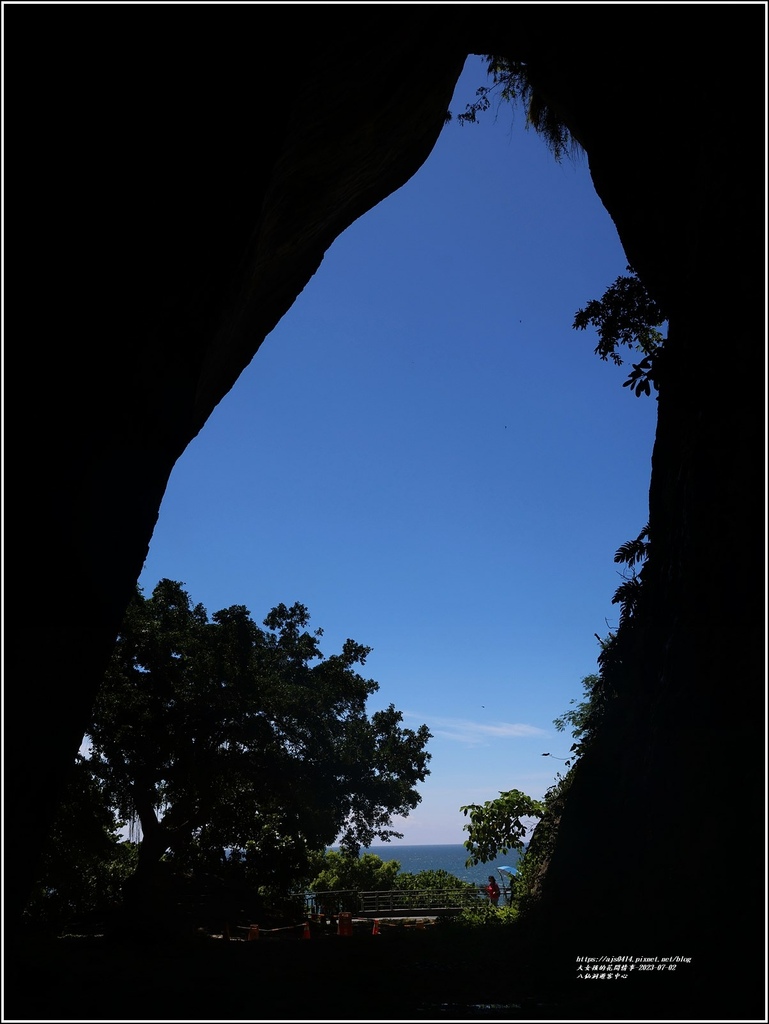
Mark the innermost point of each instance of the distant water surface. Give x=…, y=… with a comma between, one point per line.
x=451, y=858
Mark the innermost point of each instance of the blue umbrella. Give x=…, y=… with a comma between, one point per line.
x=511, y=872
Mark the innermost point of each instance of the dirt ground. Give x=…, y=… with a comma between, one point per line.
x=399, y=974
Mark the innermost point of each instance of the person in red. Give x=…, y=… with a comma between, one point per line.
x=492, y=890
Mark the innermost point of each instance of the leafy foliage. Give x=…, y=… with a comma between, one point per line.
x=532, y=865
x=634, y=552
x=219, y=734
x=627, y=315
x=583, y=717
x=338, y=872
x=435, y=879
x=643, y=377
x=333, y=871
x=586, y=719
x=84, y=862
x=628, y=593
x=415, y=890
x=587, y=714
x=496, y=826
x=494, y=823
x=481, y=915
x=511, y=82
x=627, y=596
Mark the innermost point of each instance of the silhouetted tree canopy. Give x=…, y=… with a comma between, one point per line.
x=511, y=83
x=216, y=733
x=627, y=315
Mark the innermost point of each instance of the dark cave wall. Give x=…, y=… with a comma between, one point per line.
x=177, y=201
x=676, y=161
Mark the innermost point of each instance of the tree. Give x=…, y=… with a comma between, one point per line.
x=433, y=879
x=627, y=315
x=512, y=82
x=220, y=734
x=586, y=718
x=84, y=863
x=417, y=889
x=583, y=717
x=496, y=827
x=334, y=870
x=532, y=865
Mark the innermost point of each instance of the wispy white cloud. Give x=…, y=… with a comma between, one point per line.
x=463, y=730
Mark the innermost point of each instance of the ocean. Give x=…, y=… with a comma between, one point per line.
x=450, y=857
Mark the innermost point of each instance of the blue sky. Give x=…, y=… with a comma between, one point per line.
x=429, y=457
